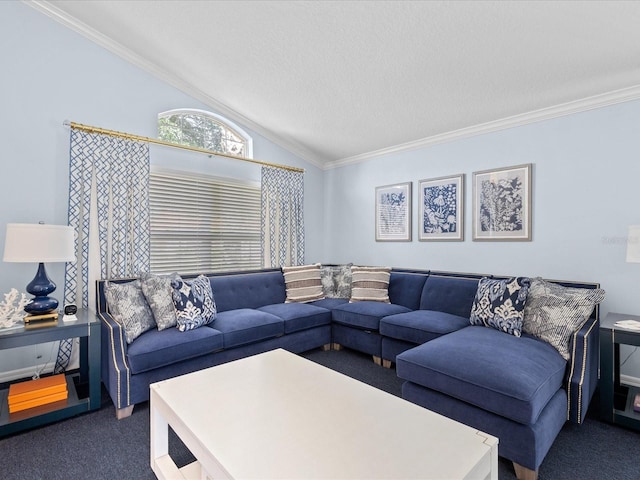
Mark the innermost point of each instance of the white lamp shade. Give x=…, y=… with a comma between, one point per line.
x=39, y=243
x=633, y=244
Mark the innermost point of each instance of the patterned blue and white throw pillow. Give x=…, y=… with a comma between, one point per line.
x=128, y=307
x=500, y=304
x=194, y=303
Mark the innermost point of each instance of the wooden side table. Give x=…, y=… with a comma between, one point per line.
x=616, y=398
x=81, y=399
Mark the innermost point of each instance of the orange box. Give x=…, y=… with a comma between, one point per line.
x=35, y=402
x=33, y=389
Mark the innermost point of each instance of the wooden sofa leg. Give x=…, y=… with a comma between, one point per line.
x=124, y=412
x=386, y=363
x=336, y=346
x=523, y=473
x=326, y=347
x=377, y=360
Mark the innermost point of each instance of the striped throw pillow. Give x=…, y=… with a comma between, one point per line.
x=303, y=283
x=370, y=283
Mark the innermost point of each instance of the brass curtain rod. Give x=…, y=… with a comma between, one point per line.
x=130, y=136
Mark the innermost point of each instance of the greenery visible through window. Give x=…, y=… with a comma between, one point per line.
x=195, y=128
x=201, y=223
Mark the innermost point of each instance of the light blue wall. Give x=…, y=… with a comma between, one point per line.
x=586, y=171
x=51, y=74
x=586, y=192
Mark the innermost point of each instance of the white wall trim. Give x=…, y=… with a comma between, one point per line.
x=629, y=380
x=181, y=84
x=577, y=106
x=569, y=108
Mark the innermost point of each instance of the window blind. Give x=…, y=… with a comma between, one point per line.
x=203, y=224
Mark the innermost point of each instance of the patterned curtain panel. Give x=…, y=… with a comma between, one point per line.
x=282, y=217
x=109, y=209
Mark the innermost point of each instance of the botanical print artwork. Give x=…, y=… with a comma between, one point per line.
x=393, y=212
x=440, y=208
x=502, y=204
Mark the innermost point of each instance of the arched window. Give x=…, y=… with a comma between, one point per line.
x=201, y=223
x=197, y=128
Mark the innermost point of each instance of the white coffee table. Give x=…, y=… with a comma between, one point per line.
x=280, y=416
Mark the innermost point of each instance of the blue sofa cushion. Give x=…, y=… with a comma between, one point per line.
x=194, y=303
x=420, y=326
x=366, y=314
x=248, y=290
x=330, y=303
x=245, y=325
x=299, y=316
x=500, y=304
x=405, y=288
x=514, y=377
x=452, y=295
x=155, y=349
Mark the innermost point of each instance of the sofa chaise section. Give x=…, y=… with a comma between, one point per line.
x=445, y=306
x=519, y=389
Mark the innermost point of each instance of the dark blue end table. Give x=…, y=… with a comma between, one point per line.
x=83, y=384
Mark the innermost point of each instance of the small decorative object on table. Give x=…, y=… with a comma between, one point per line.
x=12, y=308
x=70, y=311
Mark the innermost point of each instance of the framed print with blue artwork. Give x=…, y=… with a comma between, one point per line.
x=441, y=209
x=502, y=204
x=393, y=213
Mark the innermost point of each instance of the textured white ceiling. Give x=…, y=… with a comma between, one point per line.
x=340, y=81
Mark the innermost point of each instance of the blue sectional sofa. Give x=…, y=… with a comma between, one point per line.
x=519, y=389
x=252, y=318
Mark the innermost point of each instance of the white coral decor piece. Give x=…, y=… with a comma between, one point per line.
x=12, y=309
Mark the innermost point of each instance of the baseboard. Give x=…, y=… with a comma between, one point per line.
x=629, y=380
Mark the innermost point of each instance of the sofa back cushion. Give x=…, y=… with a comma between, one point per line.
x=405, y=288
x=452, y=295
x=248, y=290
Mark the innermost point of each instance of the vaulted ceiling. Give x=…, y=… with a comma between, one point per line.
x=342, y=81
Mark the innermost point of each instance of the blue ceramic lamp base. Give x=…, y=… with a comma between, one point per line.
x=41, y=286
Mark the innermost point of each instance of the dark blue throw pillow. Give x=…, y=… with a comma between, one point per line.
x=194, y=303
x=500, y=304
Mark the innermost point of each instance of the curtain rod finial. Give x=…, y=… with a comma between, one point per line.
x=66, y=123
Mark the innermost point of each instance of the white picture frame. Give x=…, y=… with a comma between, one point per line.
x=441, y=215
x=502, y=204
x=393, y=213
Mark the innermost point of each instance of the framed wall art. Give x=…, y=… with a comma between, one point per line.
x=502, y=204
x=441, y=209
x=393, y=213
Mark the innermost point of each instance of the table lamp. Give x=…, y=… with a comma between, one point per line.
x=39, y=243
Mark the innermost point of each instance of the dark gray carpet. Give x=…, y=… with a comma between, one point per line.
x=97, y=446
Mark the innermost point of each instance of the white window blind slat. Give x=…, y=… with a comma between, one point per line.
x=202, y=224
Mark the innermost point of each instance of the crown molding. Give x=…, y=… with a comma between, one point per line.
x=569, y=108
x=49, y=9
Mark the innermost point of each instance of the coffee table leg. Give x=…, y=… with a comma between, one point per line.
x=161, y=463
